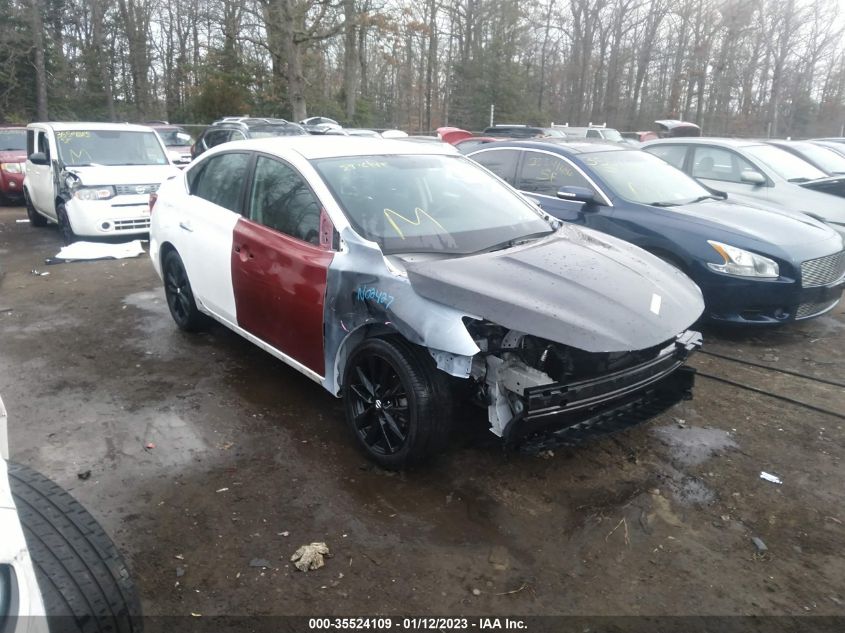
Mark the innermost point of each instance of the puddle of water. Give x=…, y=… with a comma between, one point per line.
x=149, y=300
x=694, y=445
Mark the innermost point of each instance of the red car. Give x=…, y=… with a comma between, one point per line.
x=12, y=160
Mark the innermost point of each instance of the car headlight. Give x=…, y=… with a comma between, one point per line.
x=12, y=168
x=743, y=263
x=94, y=193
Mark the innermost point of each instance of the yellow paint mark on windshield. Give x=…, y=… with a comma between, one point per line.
x=78, y=155
x=66, y=136
x=418, y=215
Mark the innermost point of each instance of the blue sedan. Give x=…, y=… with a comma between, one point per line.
x=753, y=266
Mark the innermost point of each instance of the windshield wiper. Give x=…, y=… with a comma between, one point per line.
x=515, y=241
x=799, y=180
x=709, y=196
x=663, y=204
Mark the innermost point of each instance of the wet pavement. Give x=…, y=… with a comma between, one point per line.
x=206, y=453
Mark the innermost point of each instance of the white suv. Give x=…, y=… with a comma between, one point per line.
x=93, y=179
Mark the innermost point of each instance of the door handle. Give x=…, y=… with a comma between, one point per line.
x=186, y=227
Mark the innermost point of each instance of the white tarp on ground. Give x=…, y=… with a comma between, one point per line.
x=101, y=250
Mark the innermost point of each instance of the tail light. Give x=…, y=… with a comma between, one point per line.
x=153, y=199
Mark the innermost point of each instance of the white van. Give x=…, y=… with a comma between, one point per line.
x=93, y=179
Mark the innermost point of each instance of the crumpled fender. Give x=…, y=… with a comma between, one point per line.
x=364, y=295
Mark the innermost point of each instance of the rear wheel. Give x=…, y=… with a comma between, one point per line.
x=180, y=297
x=83, y=579
x=398, y=404
x=68, y=236
x=35, y=218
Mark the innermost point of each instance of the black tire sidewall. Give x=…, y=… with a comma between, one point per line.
x=68, y=236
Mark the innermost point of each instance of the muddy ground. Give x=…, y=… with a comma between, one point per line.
x=252, y=460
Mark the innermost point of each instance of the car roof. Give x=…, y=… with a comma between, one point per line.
x=706, y=140
x=311, y=147
x=563, y=146
x=58, y=126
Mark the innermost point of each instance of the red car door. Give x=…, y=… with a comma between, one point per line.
x=280, y=264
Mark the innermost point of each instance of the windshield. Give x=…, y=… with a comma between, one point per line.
x=640, y=177
x=12, y=140
x=827, y=159
x=175, y=138
x=612, y=135
x=266, y=131
x=428, y=203
x=787, y=166
x=109, y=147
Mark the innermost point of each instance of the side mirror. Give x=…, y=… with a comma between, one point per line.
x=752, y=177
x=38, y=158
x=577, y=194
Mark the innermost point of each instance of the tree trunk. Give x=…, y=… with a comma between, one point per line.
x=37, y=8
x=350, y=58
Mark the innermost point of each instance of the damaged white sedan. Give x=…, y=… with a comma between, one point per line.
x=404, y=277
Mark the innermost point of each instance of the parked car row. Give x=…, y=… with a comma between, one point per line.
x=753, y=266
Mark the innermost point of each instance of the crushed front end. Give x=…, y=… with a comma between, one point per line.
x=541, y=394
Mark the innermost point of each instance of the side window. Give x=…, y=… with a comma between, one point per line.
x=281, y=200
x=501, y=162
x=593, y=134
x=236, y=135
x=30, y=142
x=672, y=154
x=546, y=174
x=221, y=180
x=718, y=164
x=43, y=144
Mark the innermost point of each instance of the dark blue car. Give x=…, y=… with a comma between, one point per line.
x=753, y=266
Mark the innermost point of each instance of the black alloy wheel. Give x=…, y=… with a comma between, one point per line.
x=379, y=402
x=398, y=404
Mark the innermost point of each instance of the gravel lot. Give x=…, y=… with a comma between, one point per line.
x=252, y=460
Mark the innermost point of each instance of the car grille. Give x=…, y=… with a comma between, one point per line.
x=822, y=271
x=128, y=225
x=807, y=310
x=135, y=190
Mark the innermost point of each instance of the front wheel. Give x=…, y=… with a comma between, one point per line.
x=179, y=295
x=68, y=236
x=397, y=403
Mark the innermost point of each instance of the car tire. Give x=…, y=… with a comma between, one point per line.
x=398, y=405
x=68, y=236
x=35, y=218
x=179, y=295
x=84, y=581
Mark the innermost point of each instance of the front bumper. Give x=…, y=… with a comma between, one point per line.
x=762, y=302
x=121, y=215
x=566, y=413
